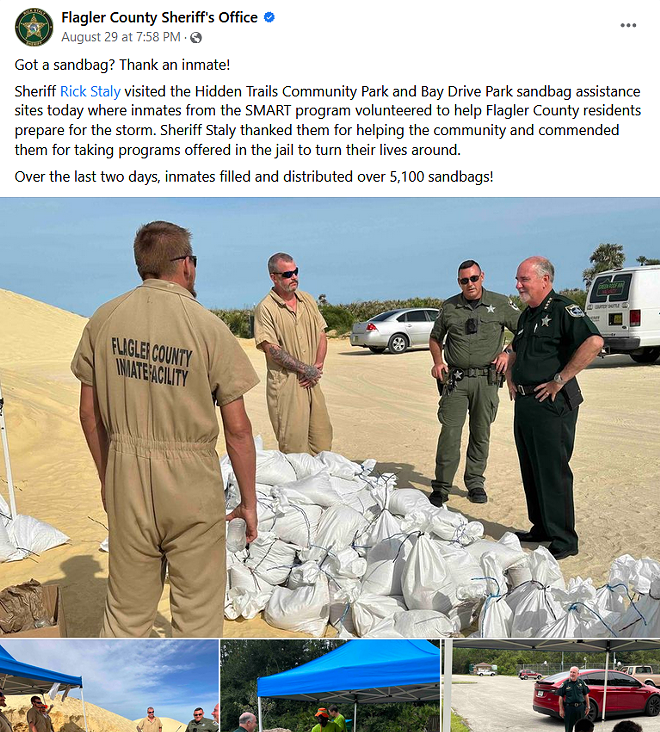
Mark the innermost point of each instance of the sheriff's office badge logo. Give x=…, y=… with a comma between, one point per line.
x=575, y=311
x=34, y=27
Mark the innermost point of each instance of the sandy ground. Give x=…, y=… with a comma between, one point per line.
x=504, y=704
x=382, y=407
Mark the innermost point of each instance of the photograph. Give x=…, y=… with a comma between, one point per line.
x=246, y=417
x=66, y=685
x=609, y=684
x=329, y=685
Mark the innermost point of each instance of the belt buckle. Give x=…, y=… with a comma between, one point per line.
x=520, y=389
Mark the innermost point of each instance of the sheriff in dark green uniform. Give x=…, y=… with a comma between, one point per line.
x=200, y=723
x=573, y=699
x=555, y=340
x=471, y=324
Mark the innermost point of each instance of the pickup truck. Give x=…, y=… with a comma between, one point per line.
x=644, y=674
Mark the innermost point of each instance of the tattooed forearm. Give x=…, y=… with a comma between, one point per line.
x=281, y=357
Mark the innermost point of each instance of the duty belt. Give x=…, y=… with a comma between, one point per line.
x=471, y=372
x=575, y=704
x=526, y=389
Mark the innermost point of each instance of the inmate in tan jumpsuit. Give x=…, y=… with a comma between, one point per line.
x=159, y=362
x=147, y=725
x=5, y=724
x=299, y=416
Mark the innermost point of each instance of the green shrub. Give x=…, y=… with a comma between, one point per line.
x=337, y=317
x=238, y=321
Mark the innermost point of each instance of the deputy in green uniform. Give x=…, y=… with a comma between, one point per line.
x=337, y=718
x=324, y=723
x=471, y=324
x=200, y=723
x=573, y=699
x=5, y=724
x=555, y=340
x=154, y=364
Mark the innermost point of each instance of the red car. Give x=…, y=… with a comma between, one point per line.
x=527, y=674
x=625, y=694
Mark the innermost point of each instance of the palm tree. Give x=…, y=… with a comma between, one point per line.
x=605, y=256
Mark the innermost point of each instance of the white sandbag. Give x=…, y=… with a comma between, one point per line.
x=533, y=607
x=611, y=597
x=305, y=609
x=386, y=526
x=431, y=581
x=495, y=616
x=338, y=465
x=240, y=576
x=247, y=593
x=518, y=575
x=31, y=536
x=369, y=610
x=421, y=624
x=6, y=547
x=545, y=568
x=345, y=563
x=406, y=500
x=580, y=619
x=642, y=618
x=343, y=592
x=644, y=573
x=385, y=563
x=338, y=527
x=273, y=468
x=443, y=524
x=271, y=558
x=315, y=490
x=246, y=604
x=304, y=464
x=362, y=501
x=504, y=554
x=298, y=525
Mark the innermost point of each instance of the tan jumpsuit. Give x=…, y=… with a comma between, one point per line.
x=299, y=416
x=159, y=362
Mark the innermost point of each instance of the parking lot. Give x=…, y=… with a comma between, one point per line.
x=499, y=703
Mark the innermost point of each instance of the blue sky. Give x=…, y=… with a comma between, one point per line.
x=127, y=676
x=76, y=253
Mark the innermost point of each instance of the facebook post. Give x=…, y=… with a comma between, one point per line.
x=332, y=322
x=302, y=100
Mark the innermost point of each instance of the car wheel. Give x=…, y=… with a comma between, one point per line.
x=653, y=706
x=651, y=683
x=648, y=355
x=398, y=343
x=592, y=714
x=376, y=349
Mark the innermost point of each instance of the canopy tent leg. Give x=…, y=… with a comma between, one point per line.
x=607, y=665
x=261, y=724
x=5, y=448
x=82, y=697
x=355, y=717
x=446, y=695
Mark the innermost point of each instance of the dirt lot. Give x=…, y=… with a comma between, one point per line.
x=504, y=703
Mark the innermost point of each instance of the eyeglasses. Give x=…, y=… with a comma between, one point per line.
x=191, y=257
x=465, y=280
x=288, y=274
x=197, y=714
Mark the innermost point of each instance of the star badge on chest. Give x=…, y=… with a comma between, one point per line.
x=545, y=320
x=490, y=308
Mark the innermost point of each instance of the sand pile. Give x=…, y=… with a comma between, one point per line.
x=67, y=716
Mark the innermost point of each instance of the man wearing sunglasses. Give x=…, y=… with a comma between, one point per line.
x=290, y=330
x=151, y=723
x=200, y=723
x=153, y=364
x=469, y=373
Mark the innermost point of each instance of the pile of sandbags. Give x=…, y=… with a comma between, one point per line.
x=340, y=544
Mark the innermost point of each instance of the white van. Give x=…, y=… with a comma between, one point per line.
x=625, y=306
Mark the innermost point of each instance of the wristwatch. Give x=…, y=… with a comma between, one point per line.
x=558, y=379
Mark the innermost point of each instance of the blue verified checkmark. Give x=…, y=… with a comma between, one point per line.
x=269, y=17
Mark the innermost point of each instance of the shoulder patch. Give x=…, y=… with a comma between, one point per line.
x=575, y=311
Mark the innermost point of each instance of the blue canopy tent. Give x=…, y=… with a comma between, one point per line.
x=362, y=672
x=21, y=678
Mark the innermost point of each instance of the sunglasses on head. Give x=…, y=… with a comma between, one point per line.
x=191, y=257
x=288, y=274
x=465, y=280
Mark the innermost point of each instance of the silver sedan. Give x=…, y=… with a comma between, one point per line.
x=396, y=330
